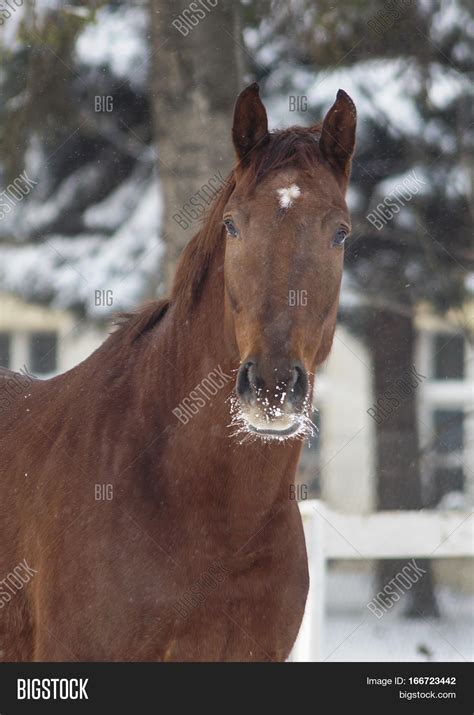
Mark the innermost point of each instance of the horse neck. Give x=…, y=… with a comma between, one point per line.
x=191, y=342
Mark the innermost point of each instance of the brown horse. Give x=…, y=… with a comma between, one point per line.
x=145, y=505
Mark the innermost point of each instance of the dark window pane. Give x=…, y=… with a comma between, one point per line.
x=448, y=357
x=447, y=479
x=43, y=352
x=5, y=349
x=449, y=430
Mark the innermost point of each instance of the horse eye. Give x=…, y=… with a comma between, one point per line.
x=340, y=236
x=230, y=227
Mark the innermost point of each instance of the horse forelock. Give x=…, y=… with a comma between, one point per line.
x=295, y=147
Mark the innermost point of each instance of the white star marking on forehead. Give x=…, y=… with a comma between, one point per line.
x=288, y=195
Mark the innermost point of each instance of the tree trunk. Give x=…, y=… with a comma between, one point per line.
x=399, y=486
x=196, y=76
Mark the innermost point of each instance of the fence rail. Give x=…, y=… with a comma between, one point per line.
x=382, y=535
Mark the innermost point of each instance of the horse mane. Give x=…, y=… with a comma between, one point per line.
x=294, y=147
x=131, y=325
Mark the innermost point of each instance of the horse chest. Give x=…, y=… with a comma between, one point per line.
x=250, y=610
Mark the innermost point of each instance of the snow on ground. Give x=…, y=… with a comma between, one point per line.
x=353, y=633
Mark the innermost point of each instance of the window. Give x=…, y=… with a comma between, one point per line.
x=446, y=480
x=448, y=473
x=448, y=357
x=43, y=352
x=5, y=350
x=449, y=431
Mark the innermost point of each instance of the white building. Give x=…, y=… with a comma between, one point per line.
x=42, y=339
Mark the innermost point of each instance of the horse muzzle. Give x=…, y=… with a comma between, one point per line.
x=273, y=397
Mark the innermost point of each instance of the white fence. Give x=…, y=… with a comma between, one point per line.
x=382, y=535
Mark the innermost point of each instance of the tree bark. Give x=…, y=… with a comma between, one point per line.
x=399, y=483
x=196, y=76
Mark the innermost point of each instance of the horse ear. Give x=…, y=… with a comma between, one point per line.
x=337, y=139
x=250, y=121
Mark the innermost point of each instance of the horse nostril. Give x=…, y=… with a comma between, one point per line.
x=298, y=385
x=244, y=378
x=249, y=383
